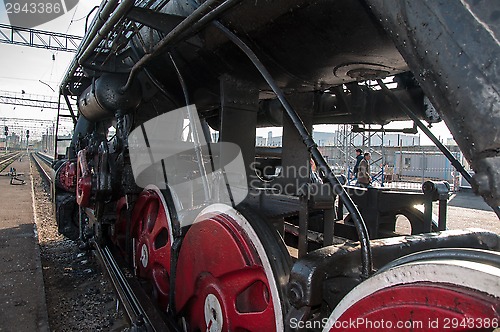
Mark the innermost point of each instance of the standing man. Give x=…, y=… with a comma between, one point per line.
x=359, y=157
x=315, y=177
x=364, y=177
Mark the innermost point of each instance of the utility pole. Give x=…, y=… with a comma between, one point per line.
x=53, y=137
x=6, y=131
x=400, y=141
x=27, y=140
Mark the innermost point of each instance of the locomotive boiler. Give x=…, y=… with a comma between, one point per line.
x=230, y=236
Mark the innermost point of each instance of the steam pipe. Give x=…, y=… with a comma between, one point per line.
x=99, y=19
x=122, y=8
x=191, y=24
x=172, y=35
x=87, y=18
x=102, y=24
x=195, y=134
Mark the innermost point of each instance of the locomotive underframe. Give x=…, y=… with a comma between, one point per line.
x=199, y=65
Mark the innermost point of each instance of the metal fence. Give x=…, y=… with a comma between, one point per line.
x=410, y=169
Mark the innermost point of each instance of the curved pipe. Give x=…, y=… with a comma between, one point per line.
x=101, y=26
x=87, y=18
x=367, y=264
x=181, y=28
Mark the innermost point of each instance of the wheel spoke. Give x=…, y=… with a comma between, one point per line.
x=236, y=283
x=161, y=256
x=233, y=283
x=150, y=215
x=225, y=277
x=197, y=315
x=161, y=280
x=160, y=223
x=152, y=245
x=139, y=209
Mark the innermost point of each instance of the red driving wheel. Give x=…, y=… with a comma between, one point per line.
x=225, y=280
x=422, y=307
x=151, y=235
x=83, y=180
x=433, y=295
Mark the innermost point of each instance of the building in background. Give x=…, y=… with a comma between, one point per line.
x=431, y=165
x=395, y=156
x=13, y=142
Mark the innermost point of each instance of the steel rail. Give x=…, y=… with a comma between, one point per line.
x=45, y=175
x=7, y=155
x=132, y=307
x=8, y=159
x=140, y=318
x=46, y=159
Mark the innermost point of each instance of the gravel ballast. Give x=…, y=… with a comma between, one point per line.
x=79, y=297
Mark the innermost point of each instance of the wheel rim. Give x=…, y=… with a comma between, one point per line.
x=425, y=296
x=224, y=278
x=151, y=235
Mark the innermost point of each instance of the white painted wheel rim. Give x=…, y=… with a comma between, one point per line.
x=216, y=209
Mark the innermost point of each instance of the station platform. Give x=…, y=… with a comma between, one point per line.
x=22, y=292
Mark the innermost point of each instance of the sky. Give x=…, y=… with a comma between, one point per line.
x=22, y=68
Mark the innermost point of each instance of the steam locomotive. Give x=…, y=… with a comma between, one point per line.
x=163, y=164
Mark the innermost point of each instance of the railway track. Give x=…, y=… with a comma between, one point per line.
x=45, y=158
x=7, y=159
x=142, y=314
x=43, y=164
